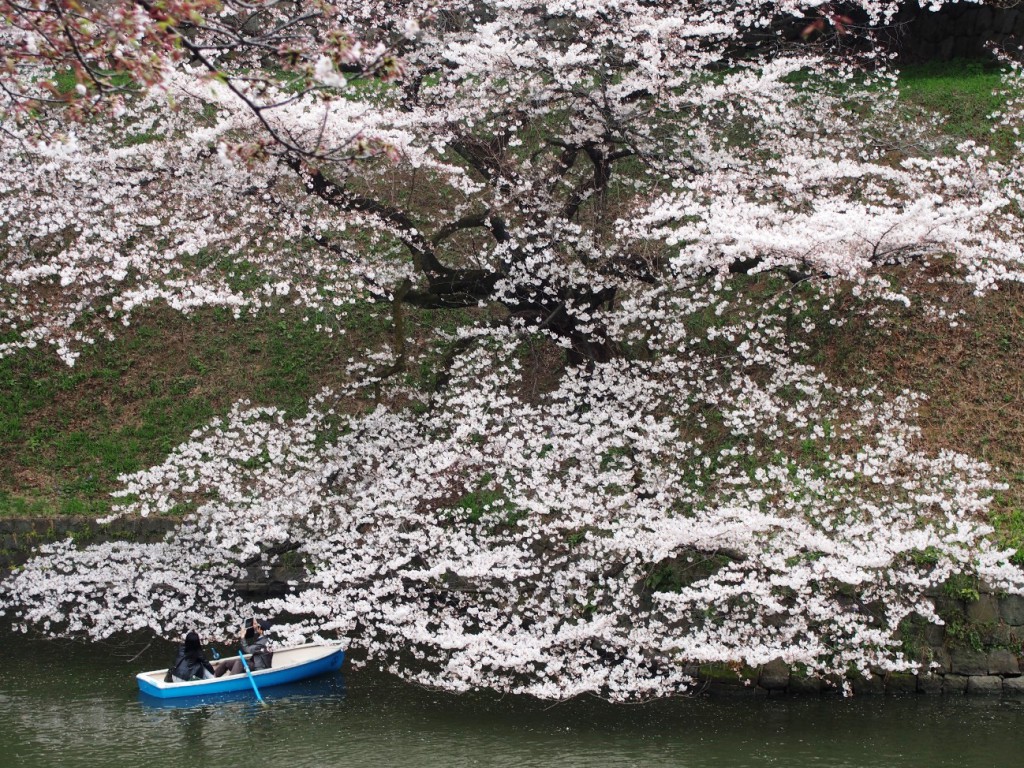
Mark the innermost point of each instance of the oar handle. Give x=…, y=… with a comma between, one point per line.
x=248, y=672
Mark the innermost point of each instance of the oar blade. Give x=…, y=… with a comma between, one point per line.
x=252, y=681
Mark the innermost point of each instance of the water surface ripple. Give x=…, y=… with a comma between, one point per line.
x=76, y=706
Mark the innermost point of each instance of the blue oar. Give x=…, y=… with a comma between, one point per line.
x=249, y=673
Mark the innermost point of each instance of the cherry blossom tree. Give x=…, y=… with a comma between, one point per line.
x=672, y=194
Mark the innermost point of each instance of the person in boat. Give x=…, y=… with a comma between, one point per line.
x=254, y=642
x=190, y=663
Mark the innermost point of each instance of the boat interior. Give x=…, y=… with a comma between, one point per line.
x=283, y=657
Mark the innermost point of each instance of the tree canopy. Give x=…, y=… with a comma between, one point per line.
x=671, y=194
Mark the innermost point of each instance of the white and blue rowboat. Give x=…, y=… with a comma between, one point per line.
x=290, y=664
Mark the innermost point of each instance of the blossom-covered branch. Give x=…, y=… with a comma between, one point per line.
x=668, y=194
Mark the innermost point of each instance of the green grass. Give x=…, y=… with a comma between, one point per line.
x=963, y=92
x=66, y=80
x=1008, y=522
x=67, y=433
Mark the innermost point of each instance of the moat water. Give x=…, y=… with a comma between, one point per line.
x=73, y=706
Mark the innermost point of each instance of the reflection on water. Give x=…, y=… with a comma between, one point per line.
x=76, y=706
x=324, y=687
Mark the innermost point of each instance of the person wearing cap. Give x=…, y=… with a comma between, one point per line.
x=254, y=642
x=190, y=663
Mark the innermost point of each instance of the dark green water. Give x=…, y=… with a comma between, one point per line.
x=72, y=706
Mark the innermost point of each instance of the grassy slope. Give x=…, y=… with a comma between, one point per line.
x=970, y=374
x=65, y=434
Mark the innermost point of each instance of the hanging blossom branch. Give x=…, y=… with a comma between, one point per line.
x=642, y=187
x=597, y=541
x=88, y=58
x=584, y=156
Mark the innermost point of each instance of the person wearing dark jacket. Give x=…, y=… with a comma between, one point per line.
x=254, y=642
x=190, y=663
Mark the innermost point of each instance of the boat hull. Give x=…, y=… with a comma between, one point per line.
x=290, y=665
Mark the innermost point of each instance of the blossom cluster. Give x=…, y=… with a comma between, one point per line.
x=718, y=504
x=657, y=191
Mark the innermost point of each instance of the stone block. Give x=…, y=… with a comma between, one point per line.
x=954, y=684
x=1011, y=610
x=900, y=682
x=867, y=686
x=1003, y=662
x=943, y=662
x=1013, y=687
x=983, y=19
x=774, y=675
x=935, y=635
x=985, y=685
x=1007, y=21
x=828, y=685
x=1001, y=635
x=928, y=27
x=803, y=684
x=1015, y=632
x=45, y=526
x=967, y=661
x=729, y=690
x=984, y=610
x=930, y=684
x=719, y=674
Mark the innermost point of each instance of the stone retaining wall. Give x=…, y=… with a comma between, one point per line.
x=976, y=673
x=957, y=30
x=978, y=652
x=20, y=536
